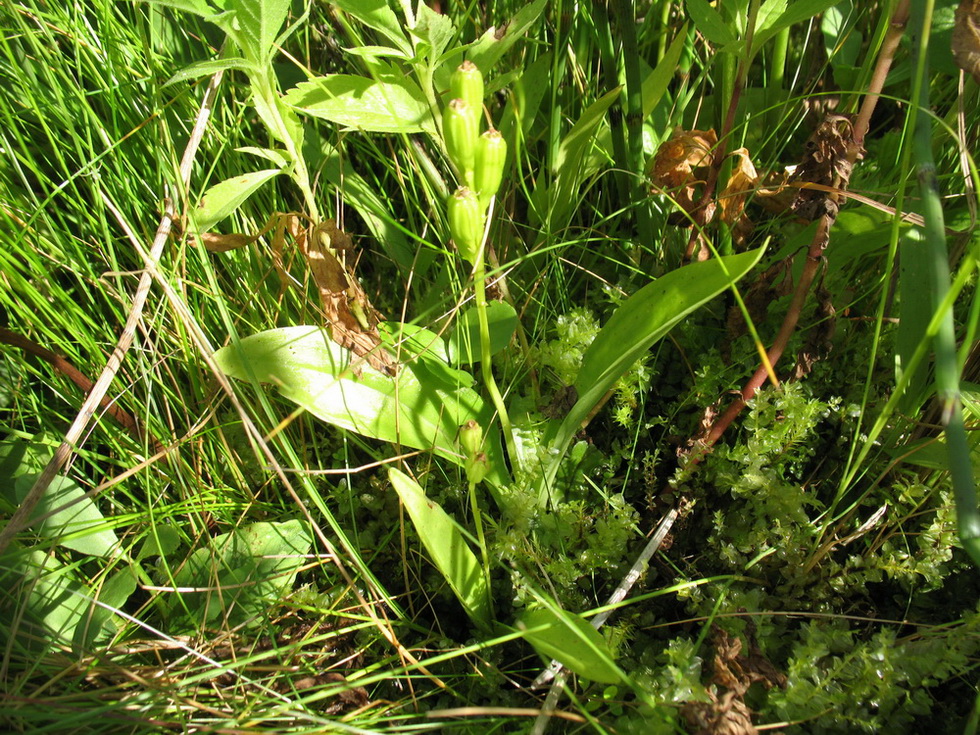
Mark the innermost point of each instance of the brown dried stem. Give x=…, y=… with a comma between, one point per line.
x=822, y=236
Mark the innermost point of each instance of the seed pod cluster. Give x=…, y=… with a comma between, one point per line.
x=479, y=159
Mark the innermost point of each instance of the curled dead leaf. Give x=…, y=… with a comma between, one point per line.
x=676, y=167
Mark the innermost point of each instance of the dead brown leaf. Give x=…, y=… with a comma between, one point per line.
x=677, y=166
x=966, y=37
x=352, y=320
x=744, y=179
x=726, y=713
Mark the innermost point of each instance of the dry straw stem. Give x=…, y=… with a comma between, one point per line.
x=21, y=518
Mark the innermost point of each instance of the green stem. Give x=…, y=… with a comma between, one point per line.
x=481, y=540
x=947, y=365
x=486, y=366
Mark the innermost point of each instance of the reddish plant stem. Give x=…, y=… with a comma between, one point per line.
x=63, y=366
x=822, y=236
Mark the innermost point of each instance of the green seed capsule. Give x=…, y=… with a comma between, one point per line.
x=461, y=132
x=466, y=223
x=466, y=83
x=470, y=437
x=488, y=168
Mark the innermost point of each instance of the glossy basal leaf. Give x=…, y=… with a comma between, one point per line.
x=226, y=196
x=45, y=596
x=101, y=619
x=242, y=573
x=447, y=547
x=423, y=407
x=572, y=641
x=650, y=313
x=394, y=105
x=464, y=342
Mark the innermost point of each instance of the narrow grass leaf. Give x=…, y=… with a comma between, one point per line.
x=447, y=546
x=572, y=641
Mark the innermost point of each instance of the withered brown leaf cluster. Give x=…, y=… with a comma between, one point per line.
x=352, y=321
x=727, y=713
x=681, y=166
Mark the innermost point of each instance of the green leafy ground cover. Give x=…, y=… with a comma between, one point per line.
x=270, y=527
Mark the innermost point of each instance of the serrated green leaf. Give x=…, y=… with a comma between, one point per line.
x=257, y=25
x=464, y=342
x=207, y=68
x=447, y=546
x=570, y=640
x=423, y=407
x=243, y=572
x=486, y=52
x=388, y=106
x=226, y=196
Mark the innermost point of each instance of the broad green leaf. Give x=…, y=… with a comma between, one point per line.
x=242, y=573
x=377, y=15
x=916, y=299
x=226, y=196
x=80, y=526
x=101, y=619
x=570, y=640
x=488, y=49
x=45, y=596
x=423, y=407
x=394, y=105
x=447, y=546
x=575, y=143
x=257, y=25
x=710, y=23
x=643, y=319
x=464, y=342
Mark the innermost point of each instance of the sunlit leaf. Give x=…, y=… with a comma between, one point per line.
x=447, y=546
x=464, y=342
x=241, y=573
x=423, y=407
x=389, y=106
x=570, y=640
x=226, y=196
